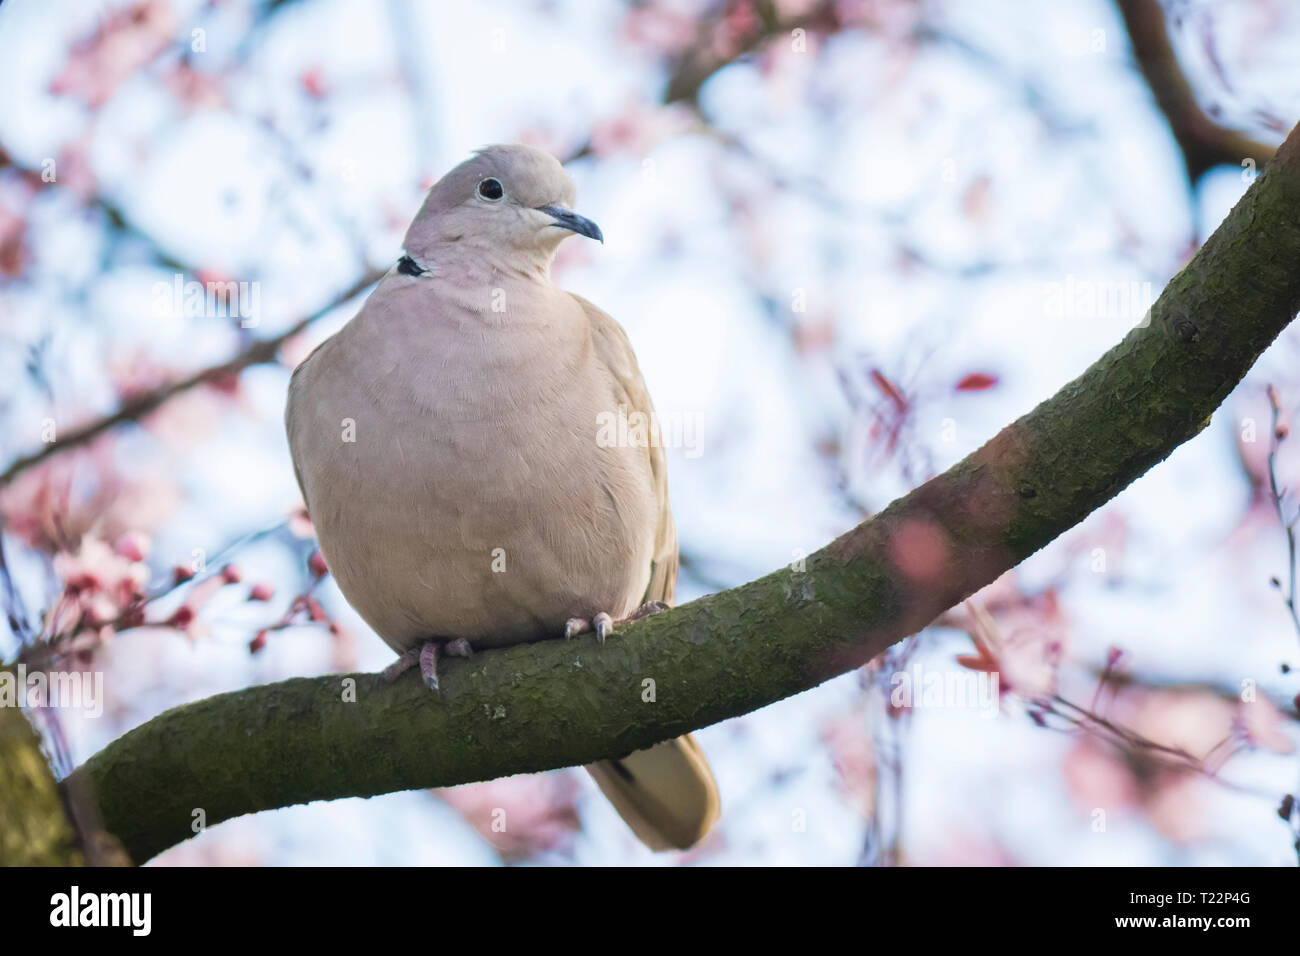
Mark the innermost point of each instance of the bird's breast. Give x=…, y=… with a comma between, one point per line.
x=461, y=492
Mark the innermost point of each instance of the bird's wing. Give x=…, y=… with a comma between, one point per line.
x=666, y=793
x=290, y=418
x=615, y=353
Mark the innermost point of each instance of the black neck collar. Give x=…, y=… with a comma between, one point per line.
x=409, y=267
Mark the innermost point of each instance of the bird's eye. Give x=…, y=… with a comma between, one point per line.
x=490, y=189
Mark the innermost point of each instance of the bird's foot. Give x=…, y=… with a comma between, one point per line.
x=647, y=609
x=426, y=655
x=458, y=648
x=405, y=661
x=603, y=624
x=429, y=665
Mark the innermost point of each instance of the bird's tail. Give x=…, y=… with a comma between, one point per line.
x=666, y=793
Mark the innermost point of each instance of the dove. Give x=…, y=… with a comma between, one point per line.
x=446, y=444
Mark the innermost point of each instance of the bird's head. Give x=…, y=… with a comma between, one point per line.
x=512, y=201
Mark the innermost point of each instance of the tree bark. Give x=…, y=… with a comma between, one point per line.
x=557, y=704
x=34, y=827
x=41, y=822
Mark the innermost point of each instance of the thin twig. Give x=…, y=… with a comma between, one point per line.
x=1278, y=494
x=258, y=353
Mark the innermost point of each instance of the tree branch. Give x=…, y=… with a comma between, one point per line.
x=1203, y=142
x=41, y=825
x=258, y=353
x=34, y=828
x=555, y=704
x=706, y=57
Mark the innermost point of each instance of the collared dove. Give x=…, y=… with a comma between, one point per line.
x=445, y=441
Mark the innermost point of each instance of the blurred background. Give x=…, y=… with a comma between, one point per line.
x=850, y=240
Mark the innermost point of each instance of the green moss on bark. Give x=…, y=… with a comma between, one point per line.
x=34, y=828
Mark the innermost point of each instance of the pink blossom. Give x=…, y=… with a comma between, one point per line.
x=100, y=585
x=133, y=545
x=316, y=563
x=1263, y=724
x=853, y=755
x=658, y=28
x=126, y=40
x=520, y=816
x=13, y=252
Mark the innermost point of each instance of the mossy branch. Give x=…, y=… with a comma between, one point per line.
x=557, y=704
x=34, y=825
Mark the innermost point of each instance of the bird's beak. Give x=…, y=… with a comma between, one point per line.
x=567, y=219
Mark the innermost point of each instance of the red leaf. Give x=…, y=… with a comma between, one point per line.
x=976, y=382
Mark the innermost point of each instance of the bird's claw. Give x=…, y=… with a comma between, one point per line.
x=603, y=624
x=429, y=665
x=426, y=655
